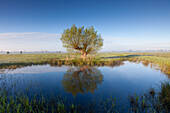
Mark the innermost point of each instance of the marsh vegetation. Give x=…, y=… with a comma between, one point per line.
x=150, y=101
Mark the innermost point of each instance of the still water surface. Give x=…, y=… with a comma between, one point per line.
x=84, y=85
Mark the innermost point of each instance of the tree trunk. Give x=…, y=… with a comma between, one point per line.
x=83, y=54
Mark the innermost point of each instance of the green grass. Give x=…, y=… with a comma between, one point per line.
x=36, y=58
x=29, y=58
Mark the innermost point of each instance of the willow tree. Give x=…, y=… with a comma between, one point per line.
x=84, y=40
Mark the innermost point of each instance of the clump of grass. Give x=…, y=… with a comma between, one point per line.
x=164, y=96
x=152, y=101
x=22, y=103
x=152, y=92
x=134, y=102
x=145, y=62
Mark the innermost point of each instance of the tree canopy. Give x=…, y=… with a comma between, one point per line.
x=85, y=40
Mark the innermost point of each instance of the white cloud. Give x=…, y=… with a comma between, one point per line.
x=119, y=43
x=36, y=41
x=28, y=35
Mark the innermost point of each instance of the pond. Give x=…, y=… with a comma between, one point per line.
x=84, y=85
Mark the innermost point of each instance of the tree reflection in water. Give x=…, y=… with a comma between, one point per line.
x=81, y=80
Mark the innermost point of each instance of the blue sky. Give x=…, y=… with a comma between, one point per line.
x=34, y=25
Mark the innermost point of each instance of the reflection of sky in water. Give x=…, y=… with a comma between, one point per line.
x=39, y=69
x=119, y=81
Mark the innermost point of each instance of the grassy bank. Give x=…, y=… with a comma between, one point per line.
x=18, y=60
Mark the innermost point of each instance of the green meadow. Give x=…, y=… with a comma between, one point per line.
x=44, y=57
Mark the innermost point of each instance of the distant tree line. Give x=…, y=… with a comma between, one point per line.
x=9, y=52
x=58, y=51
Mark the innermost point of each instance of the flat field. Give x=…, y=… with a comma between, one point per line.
x=158, y=58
